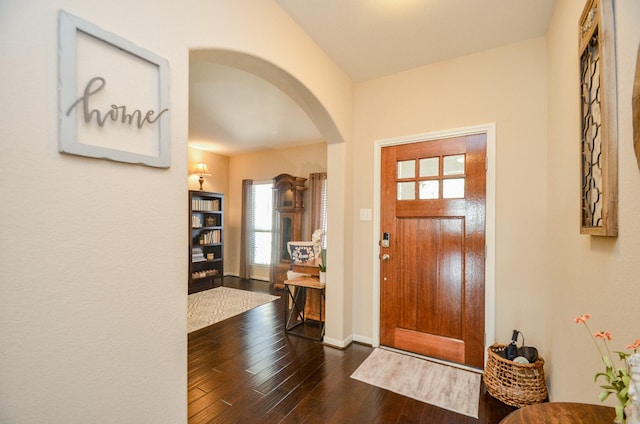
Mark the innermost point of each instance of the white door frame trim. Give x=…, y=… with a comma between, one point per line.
x=490, y=220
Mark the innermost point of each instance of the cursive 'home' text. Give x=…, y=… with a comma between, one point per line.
x=116, y=112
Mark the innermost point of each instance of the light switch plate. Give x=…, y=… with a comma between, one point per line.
x=365, y=215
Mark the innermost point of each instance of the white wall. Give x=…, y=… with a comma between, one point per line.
x=595, y=275
x=93, y=268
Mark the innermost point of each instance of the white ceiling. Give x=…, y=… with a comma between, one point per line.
x=232, y=111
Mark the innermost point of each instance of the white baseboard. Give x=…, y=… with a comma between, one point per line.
x=363, y=340
x=340, y=344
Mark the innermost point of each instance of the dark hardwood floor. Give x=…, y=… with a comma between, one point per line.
x=246, y=370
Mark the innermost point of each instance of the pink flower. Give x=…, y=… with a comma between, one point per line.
x=604, y=335
x=582, y=318
x=635, y=345
x=616, y=376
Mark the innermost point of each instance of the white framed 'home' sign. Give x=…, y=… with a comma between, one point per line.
x=113, y=96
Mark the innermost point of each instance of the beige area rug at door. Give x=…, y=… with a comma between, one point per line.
x=444, y=386
x=211, y=306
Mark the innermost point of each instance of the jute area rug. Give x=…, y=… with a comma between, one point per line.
x=211, y=306
x=444, y=386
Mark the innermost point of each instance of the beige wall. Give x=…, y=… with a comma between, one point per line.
x=588, y=274
x=94, y=253
x=218, y=165
x=264, y=165
x=93, y=287
x=546, y=272
x=505, y=86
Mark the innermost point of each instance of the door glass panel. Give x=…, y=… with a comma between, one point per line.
x=453, y=188
x=407, y=191
x=429, y=167
x=407, y=169
x=429, y=189
x=453, y=165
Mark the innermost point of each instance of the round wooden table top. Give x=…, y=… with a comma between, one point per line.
x=561, y=413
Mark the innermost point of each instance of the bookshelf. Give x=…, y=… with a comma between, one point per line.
x=206, y=240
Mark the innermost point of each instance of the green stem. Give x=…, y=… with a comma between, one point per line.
x=613, y=366
x=593, y=338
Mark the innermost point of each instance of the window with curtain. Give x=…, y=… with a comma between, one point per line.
x=318, y=204
x=261, y=223
x=323, y=213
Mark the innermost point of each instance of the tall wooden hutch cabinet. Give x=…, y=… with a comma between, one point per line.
x=206, y=240
x=289, y=207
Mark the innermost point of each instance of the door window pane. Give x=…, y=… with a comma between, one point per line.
x=407, y=191
x=453, y=165
x=406, y=169
x=429, y=189
x=453, y=188
x=429, y=167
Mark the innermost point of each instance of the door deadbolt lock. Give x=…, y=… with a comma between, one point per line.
x=385, y=240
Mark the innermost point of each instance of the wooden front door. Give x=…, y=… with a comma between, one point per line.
x=432, y=272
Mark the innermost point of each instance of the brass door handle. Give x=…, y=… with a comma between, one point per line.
x=385, y=257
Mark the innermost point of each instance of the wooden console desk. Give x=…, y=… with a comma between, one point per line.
x=561, y=413
x=304, y=307
x=304, y=268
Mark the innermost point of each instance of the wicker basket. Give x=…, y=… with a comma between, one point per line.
x=512, y=383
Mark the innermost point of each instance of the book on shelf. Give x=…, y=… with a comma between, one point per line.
x=210, y=237
x=205, y=273
x=196, y=221
x=197, y=255
x=205, y=204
